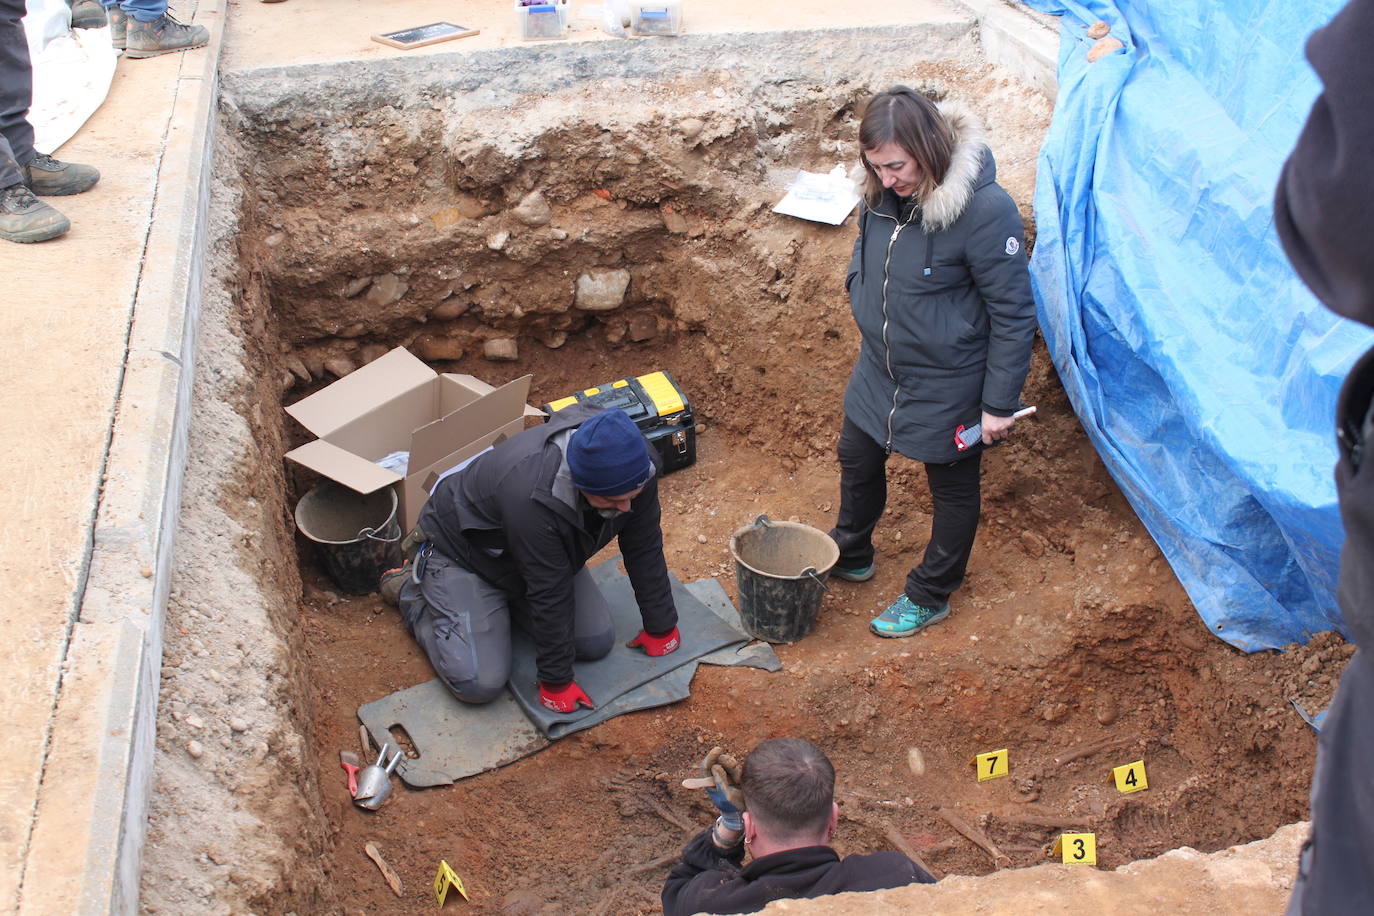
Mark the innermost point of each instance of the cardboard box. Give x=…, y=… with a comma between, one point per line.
x=397, y=403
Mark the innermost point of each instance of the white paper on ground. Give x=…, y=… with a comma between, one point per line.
x=827, y=198
x=72, y=72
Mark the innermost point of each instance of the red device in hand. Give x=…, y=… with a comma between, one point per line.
x=965, y=437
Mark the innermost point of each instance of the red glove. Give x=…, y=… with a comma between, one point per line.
x=655, y=646
x=563, y=699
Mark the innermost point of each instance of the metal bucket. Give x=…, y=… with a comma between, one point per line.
x=780, y=570
x=358, y=535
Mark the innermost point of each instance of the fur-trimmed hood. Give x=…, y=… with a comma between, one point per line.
x=948, y=201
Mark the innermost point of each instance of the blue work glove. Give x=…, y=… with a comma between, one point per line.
x=724, y=772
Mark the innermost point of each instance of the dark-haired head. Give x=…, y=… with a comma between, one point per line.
x=906, y=119
x=789, y=786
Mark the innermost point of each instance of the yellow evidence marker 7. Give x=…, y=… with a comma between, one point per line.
x=1130, y=777
x=991, y=765
x=1076, y=848
x=445, y=879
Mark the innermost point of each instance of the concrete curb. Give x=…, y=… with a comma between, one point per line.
x=87, y=842
x=1011, y=38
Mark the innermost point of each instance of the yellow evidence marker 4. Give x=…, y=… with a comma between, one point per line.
x=1130, y=777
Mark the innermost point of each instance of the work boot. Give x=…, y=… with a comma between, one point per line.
x=25, y=218
x=390, y=585
x=163, y=36
x=119, y=26
x=88, y=14
x=49, y=177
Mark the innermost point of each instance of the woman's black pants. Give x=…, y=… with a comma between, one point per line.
x=954, y=488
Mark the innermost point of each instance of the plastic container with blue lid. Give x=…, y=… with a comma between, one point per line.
x=541, y=20
x=656, y=17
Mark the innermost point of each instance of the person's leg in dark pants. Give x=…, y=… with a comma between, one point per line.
x=956, y=491
x=16, y=94
x=863, y=496
x=463, y=624
x=593, y=629
x=23, y=172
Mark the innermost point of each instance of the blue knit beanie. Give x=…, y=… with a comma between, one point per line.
x=608, y=455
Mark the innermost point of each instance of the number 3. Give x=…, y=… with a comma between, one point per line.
x=1081, y=851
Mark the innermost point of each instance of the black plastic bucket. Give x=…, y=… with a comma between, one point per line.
x=780, y=570
x=358, y=535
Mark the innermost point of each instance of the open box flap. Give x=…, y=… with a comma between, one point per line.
x=361, y=391
x=433, y=442
x=342, y=465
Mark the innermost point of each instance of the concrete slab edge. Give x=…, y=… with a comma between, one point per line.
x=1011, y=38
x=86, y=845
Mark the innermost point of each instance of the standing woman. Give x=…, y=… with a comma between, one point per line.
x=939, y=288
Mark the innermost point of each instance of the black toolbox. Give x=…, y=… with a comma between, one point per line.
x=658, y=407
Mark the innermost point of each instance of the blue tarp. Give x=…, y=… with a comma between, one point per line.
x=1202, y=369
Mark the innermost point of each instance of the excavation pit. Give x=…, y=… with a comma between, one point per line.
x=610, y=219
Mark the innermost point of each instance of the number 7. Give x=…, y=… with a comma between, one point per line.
x=992, y=764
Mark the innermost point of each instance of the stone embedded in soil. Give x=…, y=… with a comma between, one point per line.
x=498, y=241
x=355, y=287
x=690, y=127
x=339, y=366
x=673, y=221
x=554, y=339
x=501, y=349
x=373, y=352
x=642, y=327
x=238, y=725
x=434, y=348
x=386, y=289
x=1055, y=712
x=602, y=290
x=297, y=368
x=533, y=210
x=195, y=721
x=448, y=310
x=195, y=749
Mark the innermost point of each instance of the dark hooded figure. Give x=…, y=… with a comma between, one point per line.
x=1324, y=212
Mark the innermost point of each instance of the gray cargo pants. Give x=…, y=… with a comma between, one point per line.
x=463, y=623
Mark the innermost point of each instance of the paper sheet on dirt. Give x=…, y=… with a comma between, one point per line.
x=72, y=72
x=827, y=198
x=455, y=740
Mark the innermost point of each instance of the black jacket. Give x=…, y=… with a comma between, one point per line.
x=514, y=518
x=709, y=881
x=1324, y=213
x=942, y=297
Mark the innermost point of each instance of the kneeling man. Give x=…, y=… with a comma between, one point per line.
x=507, y=538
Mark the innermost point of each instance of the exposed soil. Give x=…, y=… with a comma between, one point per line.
x=1071, y=644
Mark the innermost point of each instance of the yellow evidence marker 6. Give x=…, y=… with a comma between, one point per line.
x=1076, y=848
x=991, y=765
x=1130, y=777
x=445, y=879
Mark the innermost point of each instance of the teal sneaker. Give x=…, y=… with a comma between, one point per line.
x=861, y=574
x=905, y=617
